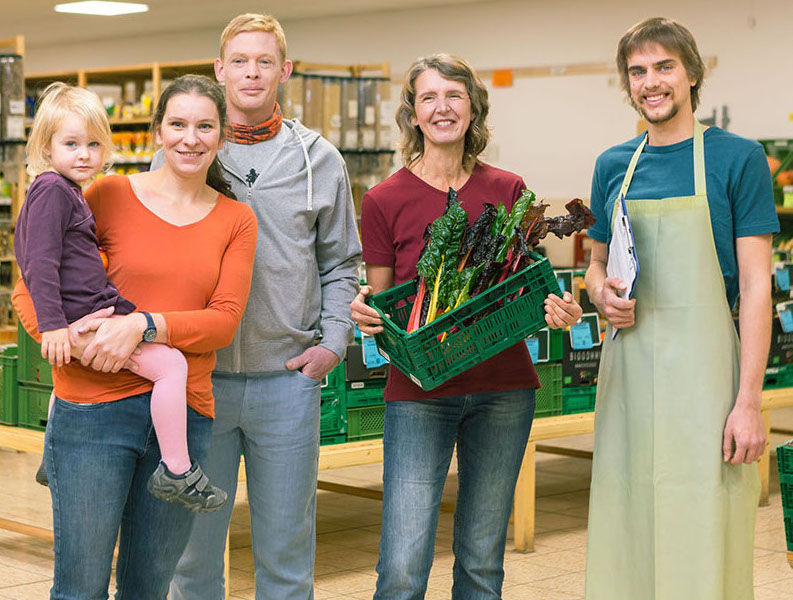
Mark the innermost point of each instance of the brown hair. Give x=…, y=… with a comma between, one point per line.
x=254, y=22
x=674, y=37
x=57, y=101
x=454, y=68
x=202, y=86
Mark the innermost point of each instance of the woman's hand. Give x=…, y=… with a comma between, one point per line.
x=367, y=318
x=114, y=343
x=562, y=312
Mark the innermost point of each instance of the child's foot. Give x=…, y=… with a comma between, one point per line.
x=192, y=489
x=41, y=474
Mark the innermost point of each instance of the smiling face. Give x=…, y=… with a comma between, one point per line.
x=251, y=69
x=190, y=134
x=73, y=151
x=442, y=109
x=659, y=84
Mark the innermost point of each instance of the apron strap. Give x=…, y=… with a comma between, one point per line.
x=700, y=187
x=626, y=182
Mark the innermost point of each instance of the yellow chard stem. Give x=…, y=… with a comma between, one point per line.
x=434, y=299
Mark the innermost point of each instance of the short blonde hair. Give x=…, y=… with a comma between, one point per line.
x=254, y=22
x=453, y=68
x=58, y=101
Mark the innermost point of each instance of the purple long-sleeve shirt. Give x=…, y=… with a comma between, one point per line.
x=58, y=254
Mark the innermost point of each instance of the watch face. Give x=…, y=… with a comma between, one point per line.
x=149, y=335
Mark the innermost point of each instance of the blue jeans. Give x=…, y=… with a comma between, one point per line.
x=273, y=420
x=99, y=458
x=490, y=430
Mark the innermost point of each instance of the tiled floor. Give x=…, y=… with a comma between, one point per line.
x=348, y=532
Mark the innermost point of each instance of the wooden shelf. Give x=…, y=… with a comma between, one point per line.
x=784, y=211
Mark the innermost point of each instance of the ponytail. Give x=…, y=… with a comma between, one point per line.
x=217, y=181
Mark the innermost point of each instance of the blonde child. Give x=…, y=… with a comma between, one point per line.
x=58, y=255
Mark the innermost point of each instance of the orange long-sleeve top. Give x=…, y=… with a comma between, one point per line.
x=197, y=276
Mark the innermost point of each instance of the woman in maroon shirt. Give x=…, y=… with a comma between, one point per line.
x=486, y=411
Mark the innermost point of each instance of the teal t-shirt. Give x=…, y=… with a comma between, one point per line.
x=740, y=193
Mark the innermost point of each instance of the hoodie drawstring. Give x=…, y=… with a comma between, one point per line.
x=310, y=178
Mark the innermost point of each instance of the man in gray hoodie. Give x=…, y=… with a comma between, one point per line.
x=294, y=331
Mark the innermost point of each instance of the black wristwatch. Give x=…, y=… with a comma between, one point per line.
x=150, y=333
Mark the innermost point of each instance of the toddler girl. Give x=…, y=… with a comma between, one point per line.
x=58, y=255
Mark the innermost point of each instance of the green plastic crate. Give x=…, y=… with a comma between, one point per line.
x=548, y=399
x=364, y=393
x=365, y=423
x=31, y=368
x=34, y=401
x=778, y=377
x=785, y=463
x=508, y=319
x=8, y=385
x=332, y=417
x=330, y=440
x=578, y=399
x=333, y=383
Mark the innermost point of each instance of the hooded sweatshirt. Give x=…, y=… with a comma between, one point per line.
x=307, y=255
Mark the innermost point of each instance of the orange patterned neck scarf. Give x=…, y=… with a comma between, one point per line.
x=253, y=134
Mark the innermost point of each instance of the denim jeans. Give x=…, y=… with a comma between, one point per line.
x=272, y=419
x=490, y=430
x=99, y=458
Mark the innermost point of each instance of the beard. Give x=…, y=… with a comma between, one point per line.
x=663, y=118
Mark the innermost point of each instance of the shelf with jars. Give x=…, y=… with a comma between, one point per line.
x=12, y=171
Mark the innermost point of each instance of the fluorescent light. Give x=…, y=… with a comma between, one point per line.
x=106, y=9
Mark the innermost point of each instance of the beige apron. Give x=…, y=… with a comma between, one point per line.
x=668, y=519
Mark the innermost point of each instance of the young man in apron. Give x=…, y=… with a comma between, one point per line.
x=678, y=426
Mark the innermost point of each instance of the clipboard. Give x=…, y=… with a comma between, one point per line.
x=623, y=262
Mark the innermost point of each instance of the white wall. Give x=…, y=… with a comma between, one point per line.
x=549, y=130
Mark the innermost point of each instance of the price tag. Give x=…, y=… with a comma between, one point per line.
x=783, y=279
x=786, y=318
x=371, y=357
x=581, y=336
x=533, y=344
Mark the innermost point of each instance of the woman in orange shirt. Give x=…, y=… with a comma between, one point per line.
x=182, y=251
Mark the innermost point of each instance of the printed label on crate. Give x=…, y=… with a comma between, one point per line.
x=371, y=357
x=384, y=354
x=533, y=344
x=581, y=336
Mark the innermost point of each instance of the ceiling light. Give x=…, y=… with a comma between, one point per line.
x=106, y=9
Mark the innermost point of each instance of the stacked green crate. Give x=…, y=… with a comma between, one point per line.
x=34, y=375
x=333, y=408
x=784, y=456
x=365, y=409
x=578, y=399
x=548, y=399
x=8, y=385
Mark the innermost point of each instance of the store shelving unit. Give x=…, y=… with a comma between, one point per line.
x=12, y=152
x=348, y=104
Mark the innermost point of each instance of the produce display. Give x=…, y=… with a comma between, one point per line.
x=460, y=261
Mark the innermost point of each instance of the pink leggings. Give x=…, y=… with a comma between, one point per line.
x=166, y=368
